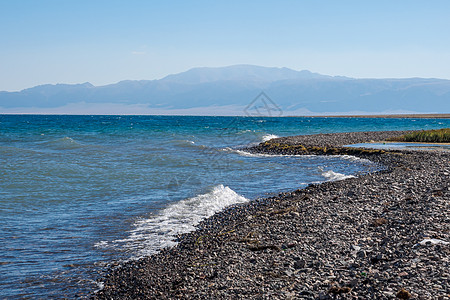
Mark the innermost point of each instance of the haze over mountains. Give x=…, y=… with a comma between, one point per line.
x=229, y=90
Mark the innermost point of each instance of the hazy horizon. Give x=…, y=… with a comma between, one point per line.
x=219, y=67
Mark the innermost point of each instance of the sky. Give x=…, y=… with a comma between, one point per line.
x=103, y=42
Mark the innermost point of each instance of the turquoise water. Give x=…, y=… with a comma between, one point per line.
x=77, y=192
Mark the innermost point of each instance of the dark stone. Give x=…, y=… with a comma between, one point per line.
x=299, y=264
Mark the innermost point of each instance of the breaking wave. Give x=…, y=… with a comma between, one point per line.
x=160, y=231
x=334, y=176
x=268, y=137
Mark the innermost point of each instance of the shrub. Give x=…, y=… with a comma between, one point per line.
x=425, y=136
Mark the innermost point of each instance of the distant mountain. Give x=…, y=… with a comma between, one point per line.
x=239, y=73
x=229, y=90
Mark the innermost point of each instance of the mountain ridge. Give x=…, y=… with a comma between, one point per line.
x=239, y=72
x=237, y=86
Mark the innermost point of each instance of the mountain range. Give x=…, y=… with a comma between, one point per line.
x=233, y=90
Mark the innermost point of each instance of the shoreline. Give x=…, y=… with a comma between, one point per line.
x=392, y=116
x=356, y=238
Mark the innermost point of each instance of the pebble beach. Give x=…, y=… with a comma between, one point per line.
x=383, y=235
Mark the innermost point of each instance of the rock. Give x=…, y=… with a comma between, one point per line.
x=376, y=259
x=299, y=264
x=379, y=222
x=339, y=290
x=403, y=294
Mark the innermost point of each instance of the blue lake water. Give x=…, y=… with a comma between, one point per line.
x=77, y=192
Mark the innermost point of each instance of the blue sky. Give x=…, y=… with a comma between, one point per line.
x=103, y=42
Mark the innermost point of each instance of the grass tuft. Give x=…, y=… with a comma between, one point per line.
x=425, y=136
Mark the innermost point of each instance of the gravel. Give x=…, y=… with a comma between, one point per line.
x=370, y=237
x=339, y=139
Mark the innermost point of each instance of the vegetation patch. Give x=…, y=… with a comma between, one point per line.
x=288, y=149
x=425, y=136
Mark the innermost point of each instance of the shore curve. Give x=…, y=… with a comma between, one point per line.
x=382, y=235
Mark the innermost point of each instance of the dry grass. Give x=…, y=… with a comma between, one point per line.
x=425, y=136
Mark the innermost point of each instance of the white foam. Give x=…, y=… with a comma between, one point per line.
x=250, y=154
x=101, y=244
x=100, y=286
x=354, y=158
x=66, y=140
x=433, y=242
x=151, y=235
x=334, y=176
x=189, y=144
x=184, y=142
x=268, y=137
